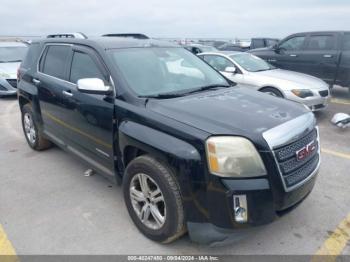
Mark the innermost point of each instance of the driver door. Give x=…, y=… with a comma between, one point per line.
x=290, y=53
x=91, y=122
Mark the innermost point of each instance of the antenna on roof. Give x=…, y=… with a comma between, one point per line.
x=68, y=35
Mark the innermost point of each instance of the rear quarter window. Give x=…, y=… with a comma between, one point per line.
x=32, y=56
x=321, y=42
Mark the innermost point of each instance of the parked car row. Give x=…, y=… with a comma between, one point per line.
x=255, y=73
x=192, y=150
x=11, y=55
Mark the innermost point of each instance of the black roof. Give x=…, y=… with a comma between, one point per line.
x=111, y=42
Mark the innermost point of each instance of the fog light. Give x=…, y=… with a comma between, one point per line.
x=240, y=208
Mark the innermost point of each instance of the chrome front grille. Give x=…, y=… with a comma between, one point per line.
x=293, y=170
x=324, y=93
x=286, y=141
x=12, y=82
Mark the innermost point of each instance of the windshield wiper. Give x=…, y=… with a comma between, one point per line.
x=208, y=87
x=173, y=95
x=163, y=96
x=11, y=61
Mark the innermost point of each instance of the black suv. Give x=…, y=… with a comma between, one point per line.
x=192, y=151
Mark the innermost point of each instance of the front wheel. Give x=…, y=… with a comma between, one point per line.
x=152, y=197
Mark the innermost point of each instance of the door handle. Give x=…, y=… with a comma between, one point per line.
x=293, y=55
x=327, y=56
x=67, y=93
x=36, y=81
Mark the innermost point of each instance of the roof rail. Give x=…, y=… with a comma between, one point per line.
x=128, y=35
x=68, y=35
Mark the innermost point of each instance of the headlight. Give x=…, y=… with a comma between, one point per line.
x=4, y=75
x=230, y=156
x=303, y=93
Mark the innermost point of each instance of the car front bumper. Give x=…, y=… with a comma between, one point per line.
x=315, y=103
x=264, y=205
x=6, y=89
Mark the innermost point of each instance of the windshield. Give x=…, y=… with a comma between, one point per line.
x=251, y=63
x=12, y=53
x=157, y=71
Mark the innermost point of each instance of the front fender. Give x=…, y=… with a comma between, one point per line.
x=155, y=142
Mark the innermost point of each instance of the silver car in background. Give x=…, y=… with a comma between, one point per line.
x=245, y=68
x=11, y=55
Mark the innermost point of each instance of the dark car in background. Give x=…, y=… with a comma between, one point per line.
x=261, y=42
x=325, y=55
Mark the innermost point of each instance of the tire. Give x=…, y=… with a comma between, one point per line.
x=272, y=91
x=157, y=176
x=33, y=135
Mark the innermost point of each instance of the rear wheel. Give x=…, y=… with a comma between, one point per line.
x=32, y=134
x=272, y=91
x=152, y=197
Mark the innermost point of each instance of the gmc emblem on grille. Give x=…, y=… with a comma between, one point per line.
x=306, y=151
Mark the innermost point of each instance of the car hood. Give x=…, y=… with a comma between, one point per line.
x=303, y=80
x=231, y=111
x=9, y=69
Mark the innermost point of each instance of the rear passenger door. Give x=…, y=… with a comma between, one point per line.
x=343, y=76
x=290, y=54
x=51, y=81
x=321, y=56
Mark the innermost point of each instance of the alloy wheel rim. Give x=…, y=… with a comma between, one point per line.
x=148, y=201
x=29, y=128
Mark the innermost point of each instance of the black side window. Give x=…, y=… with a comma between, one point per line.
x=258, y=43
x=32, y=55
x=346, y=42
x=293, y=44
x=321, y=42
x=55, y=61
x=83, y=66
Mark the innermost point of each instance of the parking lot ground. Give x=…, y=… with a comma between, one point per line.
x=48, y=206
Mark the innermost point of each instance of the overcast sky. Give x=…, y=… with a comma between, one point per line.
x=175, y=18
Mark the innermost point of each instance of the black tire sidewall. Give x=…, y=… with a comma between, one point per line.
x=172, y=219
x=272, y=90
x=27, y=109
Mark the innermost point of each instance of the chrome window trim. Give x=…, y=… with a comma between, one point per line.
x=65, y=81
x=41, y=57
x=290, y=132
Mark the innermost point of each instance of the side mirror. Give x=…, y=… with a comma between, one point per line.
x=341, y=120
x=93, y=86
x=276, y=48
x=230, y=69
